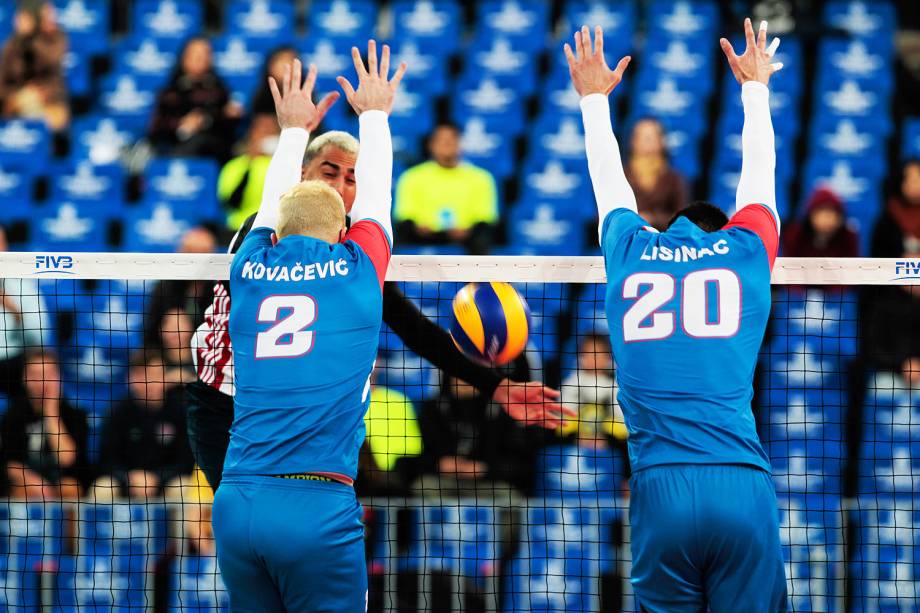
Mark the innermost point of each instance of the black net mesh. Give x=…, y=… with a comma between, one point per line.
x=464, y=508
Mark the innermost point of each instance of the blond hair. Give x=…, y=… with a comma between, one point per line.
x=334, y=138
x=312, y=208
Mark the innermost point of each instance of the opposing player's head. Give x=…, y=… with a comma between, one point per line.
x=312, y=208
x=331, y=158
x=707, y=217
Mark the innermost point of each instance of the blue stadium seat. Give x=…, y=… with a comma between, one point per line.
x=886, y=553
x=429, y=69
x=486, y=148
x=812, y=537
x=890, y=467
x=854, y=60
x=86, y=23
x=499, y=59
x=561, y=138
x=858, y=184
x=807, y=466
x=433, y=24
x=348, y=20
x=546, y=302
x=185, y=181
x=911, y=138
x=683, y=19
x=197, y=585
x=239, y=62
x=499, y=106
x=149, y=59
x=560, y=98
x=850, y=99
x=24, y=144
x=551, y=179
x=158, y=225
x=550, y=227
x=665, y=100
x=799, y=416
x=690, y=66
x=6, y=19
x=580, y=473
x=69, y=226
x=77, y=72
x=618, y=20
x=844, y=138
x=269, y=20
x=168, y=20
x=524, y=23
x=100, y=139
x=83, y=181
x=16, y=187
x=784, y=109
x=413, y=115
x=401, y=369
x=873, y=22
x=128, y=99
x=37, y=540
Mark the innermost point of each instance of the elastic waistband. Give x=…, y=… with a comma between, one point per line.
x=320, y=485
x=308, y=477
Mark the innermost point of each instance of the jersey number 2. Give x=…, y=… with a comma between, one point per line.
x=659, y=289
x=288, y=338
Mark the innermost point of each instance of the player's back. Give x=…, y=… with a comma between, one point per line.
x=304, y=325
x=687, y=312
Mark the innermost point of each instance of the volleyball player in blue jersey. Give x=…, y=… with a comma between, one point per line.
x=304, y=323
x=687, y=310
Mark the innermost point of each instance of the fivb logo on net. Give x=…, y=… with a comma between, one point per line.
x=51, y=263
x=907, y=270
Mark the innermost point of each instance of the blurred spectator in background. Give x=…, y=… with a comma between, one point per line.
x=898, y=228
x=175, y=346
x=44, y=437
x=262, y=102
x=144, y=440
x=446, y=200
x=24, y=324
x=823, y=231
x=391, y=451
x=194, y=115
x=192, y=297
x=472, y=448
x=660, y=190
x=239, y=185
x=31, y=67
x=896, y=350
x=196, y=497
x=591, y=390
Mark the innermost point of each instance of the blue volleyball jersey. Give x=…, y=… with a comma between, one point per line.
x=687, y=311
x=304, y=324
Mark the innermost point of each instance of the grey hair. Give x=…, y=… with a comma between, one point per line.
x=334, y=138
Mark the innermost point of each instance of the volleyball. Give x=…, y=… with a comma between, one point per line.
x=490, y=322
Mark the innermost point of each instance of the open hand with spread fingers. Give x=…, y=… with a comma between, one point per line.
x=587, y=66
x=755, y=64
x=374, y=91
x=294, y=101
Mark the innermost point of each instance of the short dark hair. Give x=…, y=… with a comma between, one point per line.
x=707, y=216
x=444, y=125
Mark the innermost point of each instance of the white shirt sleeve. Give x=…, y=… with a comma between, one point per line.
x=374, y=171
x=611, y=189
x=284, y=172
x=757, y=184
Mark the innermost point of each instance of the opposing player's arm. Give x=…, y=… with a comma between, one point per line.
x=297, y=117
x=594, y=81
x=757, y=184
x=372, y=227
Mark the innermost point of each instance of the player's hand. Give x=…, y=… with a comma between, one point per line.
x=754, y=64
x=588, y=67
x=294, y=101
x=375, y=92
x=532, y=403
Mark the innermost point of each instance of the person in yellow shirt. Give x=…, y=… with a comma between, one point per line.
x=392, y=445
x=239, y=185
x=446, y=200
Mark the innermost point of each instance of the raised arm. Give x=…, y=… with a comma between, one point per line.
x=297, y=117
x=594, y=81
x=372, y=101
x=753, y=70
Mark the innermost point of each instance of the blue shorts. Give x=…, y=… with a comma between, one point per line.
x=706, y=535
x=290, y=545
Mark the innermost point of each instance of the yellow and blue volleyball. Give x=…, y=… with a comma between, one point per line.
x=490, y=322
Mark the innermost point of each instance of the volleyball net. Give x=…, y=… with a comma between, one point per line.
x=465, y=509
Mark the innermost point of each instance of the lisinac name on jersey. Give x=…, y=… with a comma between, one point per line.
x=687, y=312
x=304, y=323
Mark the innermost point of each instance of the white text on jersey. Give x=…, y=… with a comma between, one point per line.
x=297, y=272
x=684, y=253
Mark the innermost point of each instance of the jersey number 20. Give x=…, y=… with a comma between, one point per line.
x=652, y=290
x=288, y=338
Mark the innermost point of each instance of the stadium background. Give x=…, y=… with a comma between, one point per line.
x=841, y=432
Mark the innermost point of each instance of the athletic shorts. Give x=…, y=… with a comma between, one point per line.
x=209, y=417
x=290, y=545
x=706, y=536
